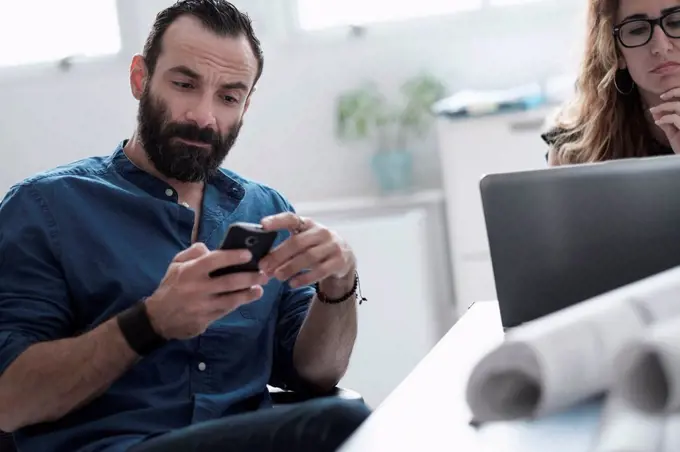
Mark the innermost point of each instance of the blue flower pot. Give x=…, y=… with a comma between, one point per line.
x=393, y=170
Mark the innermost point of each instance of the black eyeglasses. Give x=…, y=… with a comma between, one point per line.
x=638, y=32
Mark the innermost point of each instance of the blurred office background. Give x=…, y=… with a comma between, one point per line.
x=498, y=67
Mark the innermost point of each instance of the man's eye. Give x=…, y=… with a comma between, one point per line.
x=183, y=85
x=230, y=100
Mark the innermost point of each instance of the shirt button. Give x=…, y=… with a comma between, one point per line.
x=169, y=192
x=201, y=366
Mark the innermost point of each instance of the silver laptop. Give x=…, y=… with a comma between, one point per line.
x=559, y=236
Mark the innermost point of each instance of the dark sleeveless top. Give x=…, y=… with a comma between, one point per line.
x=657, y=149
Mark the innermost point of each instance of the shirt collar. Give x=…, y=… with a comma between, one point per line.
x=220, y=182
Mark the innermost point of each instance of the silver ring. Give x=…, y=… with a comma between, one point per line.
x=301, y=225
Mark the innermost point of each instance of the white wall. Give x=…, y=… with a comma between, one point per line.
x=48, y=117
x=400, y=323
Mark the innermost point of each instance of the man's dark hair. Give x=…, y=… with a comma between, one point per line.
x=218, y=16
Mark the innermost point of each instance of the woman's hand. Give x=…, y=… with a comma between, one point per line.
x=667, y=117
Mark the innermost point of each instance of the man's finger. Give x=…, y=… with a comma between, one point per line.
x=308, y=259
x=226, y=303
x=220, y=259
x=322, y=271
x=195, y=251
x=285, y=220
x=235, y=282
x=289, y=248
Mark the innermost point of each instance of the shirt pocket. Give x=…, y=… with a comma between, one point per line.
x=263, y=309
x=247, y=321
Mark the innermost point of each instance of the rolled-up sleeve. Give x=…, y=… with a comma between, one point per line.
x=293, y=307
x=34, y=301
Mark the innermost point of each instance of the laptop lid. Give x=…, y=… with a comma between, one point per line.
x=559, y=236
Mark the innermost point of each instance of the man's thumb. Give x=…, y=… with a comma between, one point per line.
x=195, y=251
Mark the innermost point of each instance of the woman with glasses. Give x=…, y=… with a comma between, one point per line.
x=627, y=102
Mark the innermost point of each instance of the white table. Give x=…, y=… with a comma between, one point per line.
x=428, y=411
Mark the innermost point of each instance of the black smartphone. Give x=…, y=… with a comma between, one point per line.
x=250, y=236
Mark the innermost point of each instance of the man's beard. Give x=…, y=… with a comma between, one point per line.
x=175, y=159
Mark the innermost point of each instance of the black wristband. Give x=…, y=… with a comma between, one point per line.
x=353, y=291
x=137, y=329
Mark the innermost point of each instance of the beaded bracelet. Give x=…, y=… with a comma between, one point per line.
x=353, y=291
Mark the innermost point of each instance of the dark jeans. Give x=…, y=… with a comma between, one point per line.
x=319, y=425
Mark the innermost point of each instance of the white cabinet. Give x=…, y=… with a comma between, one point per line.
x=400, y=243
x=469, y=149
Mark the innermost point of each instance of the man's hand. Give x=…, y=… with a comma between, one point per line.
x=188, y=300
x=667, y=116
x=320, y=253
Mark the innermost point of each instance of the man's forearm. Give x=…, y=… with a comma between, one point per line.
x=50, y=379
x=325, y=342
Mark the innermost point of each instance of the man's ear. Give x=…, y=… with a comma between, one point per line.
x=139, y=76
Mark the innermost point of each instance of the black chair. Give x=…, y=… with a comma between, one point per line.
x=279, y=397
x=284, y=397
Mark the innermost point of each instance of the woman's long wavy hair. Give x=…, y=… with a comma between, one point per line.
x=601, y=123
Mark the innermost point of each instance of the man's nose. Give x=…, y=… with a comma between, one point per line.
x=202, y=114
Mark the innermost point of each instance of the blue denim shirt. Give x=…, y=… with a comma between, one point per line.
x=82, y=242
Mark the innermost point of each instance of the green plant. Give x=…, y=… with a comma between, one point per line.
x=365, y=113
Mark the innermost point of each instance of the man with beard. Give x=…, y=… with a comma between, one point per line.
x=113, y=336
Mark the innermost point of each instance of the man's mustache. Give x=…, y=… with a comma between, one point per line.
x=191, y=132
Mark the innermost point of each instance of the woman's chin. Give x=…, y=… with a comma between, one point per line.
x=663, y=83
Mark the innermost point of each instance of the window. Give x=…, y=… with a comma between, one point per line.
x=510, y=2
x=47, y=30
x=319, y=14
